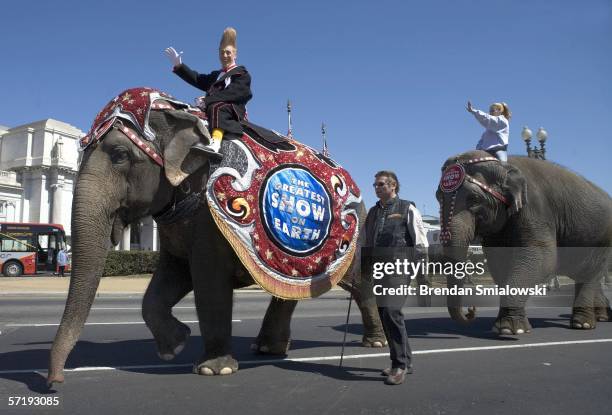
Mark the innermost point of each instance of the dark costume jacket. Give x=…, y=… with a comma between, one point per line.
x=229, y=91
x=387, y=224
x=396, y=223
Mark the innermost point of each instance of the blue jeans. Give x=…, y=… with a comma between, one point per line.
x=501, y=155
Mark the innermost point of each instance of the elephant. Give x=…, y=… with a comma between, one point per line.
x=535, y=219
x=117, y=184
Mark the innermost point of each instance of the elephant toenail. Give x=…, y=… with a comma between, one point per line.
x=206, y=371
x=586, y=326
x=179, y=349
x=377, y=344
x=520, y=331
x=165, y=356
x=264, y=349
x=226, y=371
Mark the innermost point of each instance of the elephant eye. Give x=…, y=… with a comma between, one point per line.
x=474, y=199
x=119, y=155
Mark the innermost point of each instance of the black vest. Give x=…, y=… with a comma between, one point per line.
x=391, y=228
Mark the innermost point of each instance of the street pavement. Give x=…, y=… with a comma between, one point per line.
x=458, y=369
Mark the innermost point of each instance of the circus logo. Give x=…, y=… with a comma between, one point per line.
x=296, y=210
x=452, y=178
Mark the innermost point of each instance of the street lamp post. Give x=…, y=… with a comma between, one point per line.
x=539, y=153
x=542, y=135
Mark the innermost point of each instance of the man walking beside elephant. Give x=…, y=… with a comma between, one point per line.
x=394, y=226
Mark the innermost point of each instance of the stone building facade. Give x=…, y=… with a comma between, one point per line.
x=38, y=166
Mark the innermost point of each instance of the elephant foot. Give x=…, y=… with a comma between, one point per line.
x=222, y=365
x=169, y=345
x=271, y=347
x=512, y=325
x=375, y=341
x=603, y=313
x=583, y=318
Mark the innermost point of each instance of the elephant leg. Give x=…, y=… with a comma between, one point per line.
x=512, y=317
x=373, y=333
x=512, y=320
x=520, y=268
x=213, y=291
x=275, y=334
x=583, y=310
x=170, y=283
x=603, y=312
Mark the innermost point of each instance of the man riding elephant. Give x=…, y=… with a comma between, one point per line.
x=227, y=91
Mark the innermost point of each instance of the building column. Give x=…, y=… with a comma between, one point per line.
x=125, y=243
x=155, y=246
x=149, y=239
x=56, y=208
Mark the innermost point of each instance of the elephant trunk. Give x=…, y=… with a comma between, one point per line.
x=455, y=254
x=92, y=219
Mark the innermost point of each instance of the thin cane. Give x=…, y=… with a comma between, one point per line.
x=348, y=314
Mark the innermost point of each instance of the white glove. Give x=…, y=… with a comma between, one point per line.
x=174, y=56
x=199, y=101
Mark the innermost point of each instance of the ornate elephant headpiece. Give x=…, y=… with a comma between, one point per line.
x=453, y=178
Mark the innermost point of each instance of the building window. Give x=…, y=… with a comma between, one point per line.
x=6, y=213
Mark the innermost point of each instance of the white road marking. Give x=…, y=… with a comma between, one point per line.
x=115, y=323
x=319, y=358
x=139, y=308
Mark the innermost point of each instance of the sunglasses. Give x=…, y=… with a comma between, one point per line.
x=379, y=184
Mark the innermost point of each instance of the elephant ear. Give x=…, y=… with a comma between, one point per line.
x=514, y=189
x=180, y=131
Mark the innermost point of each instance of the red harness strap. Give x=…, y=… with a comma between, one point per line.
x=486, y=188
x=148, y=150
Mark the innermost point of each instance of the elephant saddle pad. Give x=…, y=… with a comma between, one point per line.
x=288, y=211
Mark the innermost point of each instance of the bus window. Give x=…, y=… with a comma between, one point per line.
x=18, y=244
x=61, y=243
x=43, y=241
x=52, y=252
x=47, y=249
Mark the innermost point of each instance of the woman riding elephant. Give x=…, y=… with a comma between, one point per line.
x=494, y=140
x=227, y=91
x=535, y=219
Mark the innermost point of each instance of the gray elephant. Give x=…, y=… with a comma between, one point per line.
x=117, y=184
x=535, y=219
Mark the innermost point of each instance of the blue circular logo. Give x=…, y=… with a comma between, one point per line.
x=296, y=210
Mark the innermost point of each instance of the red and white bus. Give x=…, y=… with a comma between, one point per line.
x=29, y=248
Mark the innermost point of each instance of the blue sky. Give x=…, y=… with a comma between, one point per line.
x=389, y=78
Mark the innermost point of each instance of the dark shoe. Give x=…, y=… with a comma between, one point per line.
x=387, y=371
x=396, y=377
x=208, y=150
